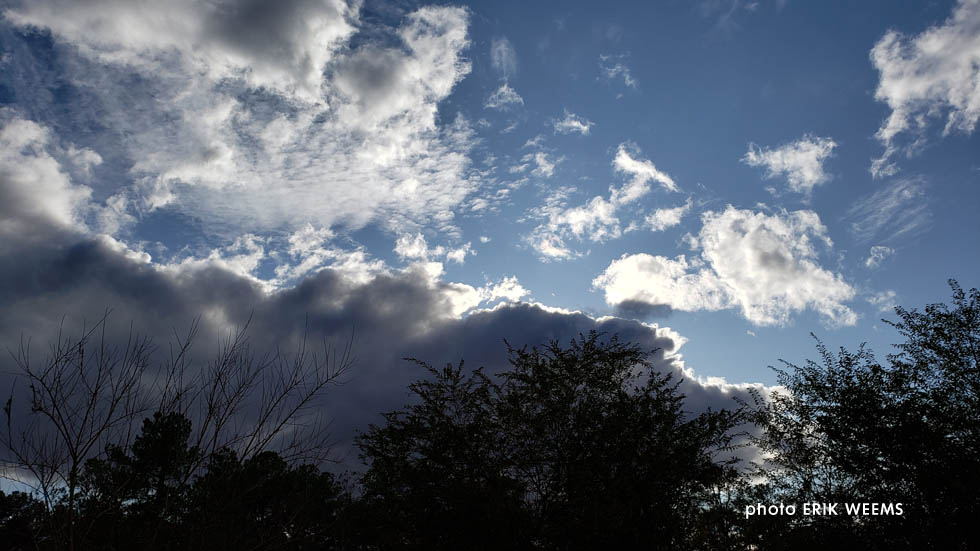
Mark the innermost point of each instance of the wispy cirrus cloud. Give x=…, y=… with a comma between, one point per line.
x=613, y=67
x=504, y=98
x=570, y=122
x=884, y=301
x=503, y=57
x=899, y=210
x=877, y=255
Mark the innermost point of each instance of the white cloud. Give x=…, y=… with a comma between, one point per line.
x=507, y=288
x=612, y=68
x=642, y=171
x=764, y=265
x=503, y=57
x=800, y=162
x=572, y=123
x=931, y=75
x=284, y=47
x=884, y=301
x=242, y=258
x=458, y=255
x=413, y=247
x=660, y=280
x=897, y=210
x=308, y=239
x=544, y=165
x=504, y=98
x=661, y=219
x=877, y=255
x=367, y=148
x=36, y=192
x=309, y=252
x=536, y=141
x=597, y=219
x=550, y=246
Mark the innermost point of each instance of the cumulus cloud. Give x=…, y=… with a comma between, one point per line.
x=763, y=265
x=597, y=220
x=897, y=210
x=661, y=219
x=504, y=98
x=36, y=192
x=572, y=123
x=503, y=57
x=877, y=255
x=933, y=75
x=800, y=162
x=276, y=119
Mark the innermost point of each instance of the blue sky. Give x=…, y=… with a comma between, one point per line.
x=732, y=174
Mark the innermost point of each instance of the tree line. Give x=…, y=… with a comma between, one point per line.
x=583, y=445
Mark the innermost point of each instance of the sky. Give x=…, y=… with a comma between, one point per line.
x=715, y=179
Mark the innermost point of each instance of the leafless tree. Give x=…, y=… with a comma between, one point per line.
x=89, y=394
x=85, y=395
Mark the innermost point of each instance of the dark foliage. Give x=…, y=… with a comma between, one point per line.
x=582, y=447
x=849, y=429
x=577, y=447
x=20, y=521
x=146, y=497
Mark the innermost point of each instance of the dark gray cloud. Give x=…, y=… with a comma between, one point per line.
x=391, y=317
x=640, y=310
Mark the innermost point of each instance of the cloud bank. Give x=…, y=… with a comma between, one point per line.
x=392, y=315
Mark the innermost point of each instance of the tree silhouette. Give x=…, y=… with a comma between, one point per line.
x=139, y=498
x=21, y=521
x=84, y=401
x=849, y=429
x=581, y=447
